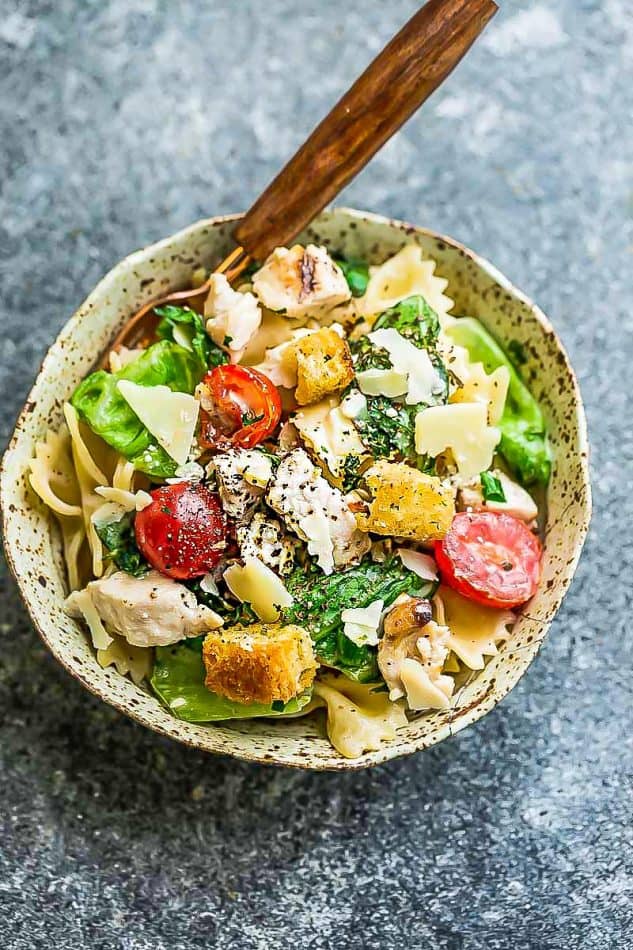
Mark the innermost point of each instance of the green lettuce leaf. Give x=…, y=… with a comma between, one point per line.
x=178, y=680
x=101, y=406
x=523, y=433
x=186, y=327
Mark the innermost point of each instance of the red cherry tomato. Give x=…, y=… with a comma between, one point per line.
x=240, y=407
x=490, y=557
x=183, y=533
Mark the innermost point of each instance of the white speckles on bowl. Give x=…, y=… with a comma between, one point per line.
x=32, y=543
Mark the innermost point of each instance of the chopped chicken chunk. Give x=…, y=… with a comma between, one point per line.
x=300, y=281
x=317, y=512
x=242, y=476
x=233, y=317
x=263, y=538
x=152, y=610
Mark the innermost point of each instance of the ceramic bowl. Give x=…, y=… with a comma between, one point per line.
x=32, y=541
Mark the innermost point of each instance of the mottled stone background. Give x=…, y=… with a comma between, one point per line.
x=123, y=120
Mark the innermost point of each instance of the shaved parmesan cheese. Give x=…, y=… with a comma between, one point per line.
x=353, y=404
x=382, y=382
x=107, y=513
x=189, y=472
x=209, y=586
x=330, y=434
x=80, y=604
x=361, y=624
x=423, y=692
x=257, y=585
x=258, y=470
x=475, y=630
x=127, y=500
x=423, y=380
x=461, y=427
x=170, y=417
x=421, y=564
x=316, y=529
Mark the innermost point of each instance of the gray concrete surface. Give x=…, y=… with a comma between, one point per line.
x=123, y=120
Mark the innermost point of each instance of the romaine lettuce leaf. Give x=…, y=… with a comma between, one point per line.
x=523, y=433
x=102, y=407
x=186, y=327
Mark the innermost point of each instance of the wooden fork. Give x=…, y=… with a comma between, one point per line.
x=390, y=90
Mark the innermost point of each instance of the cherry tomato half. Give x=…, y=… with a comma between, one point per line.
x=240, y=407
x=491, y=558
x=183, y=533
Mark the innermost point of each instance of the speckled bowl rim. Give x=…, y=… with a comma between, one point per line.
x=397, y=749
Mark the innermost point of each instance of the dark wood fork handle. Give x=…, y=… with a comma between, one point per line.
x=390, y=90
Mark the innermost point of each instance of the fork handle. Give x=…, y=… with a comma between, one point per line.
x=390, y=90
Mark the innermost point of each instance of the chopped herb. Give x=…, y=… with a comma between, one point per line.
x=492, y=487
x=278, y=705
x=350, y=474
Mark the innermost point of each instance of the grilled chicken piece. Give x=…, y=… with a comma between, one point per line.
x=152, y=610
x=317, y=512
x=301, y=282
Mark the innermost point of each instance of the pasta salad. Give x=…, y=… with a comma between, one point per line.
x=318, y=491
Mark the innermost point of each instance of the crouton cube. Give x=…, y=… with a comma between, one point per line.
x=406, y=503
x=260, y=663
x=324, y=365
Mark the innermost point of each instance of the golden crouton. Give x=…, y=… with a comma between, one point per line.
x=261, y=663
x=406, y=503
x=324, y=365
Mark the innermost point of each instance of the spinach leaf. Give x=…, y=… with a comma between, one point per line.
x=523, y=435
x=102, y=407
x=178, y=680
x=414, y=319
x=492, y=487
x=356, y=274
x=319, y=600
x=186, y=327
x=119, y=541
x=387, y=426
